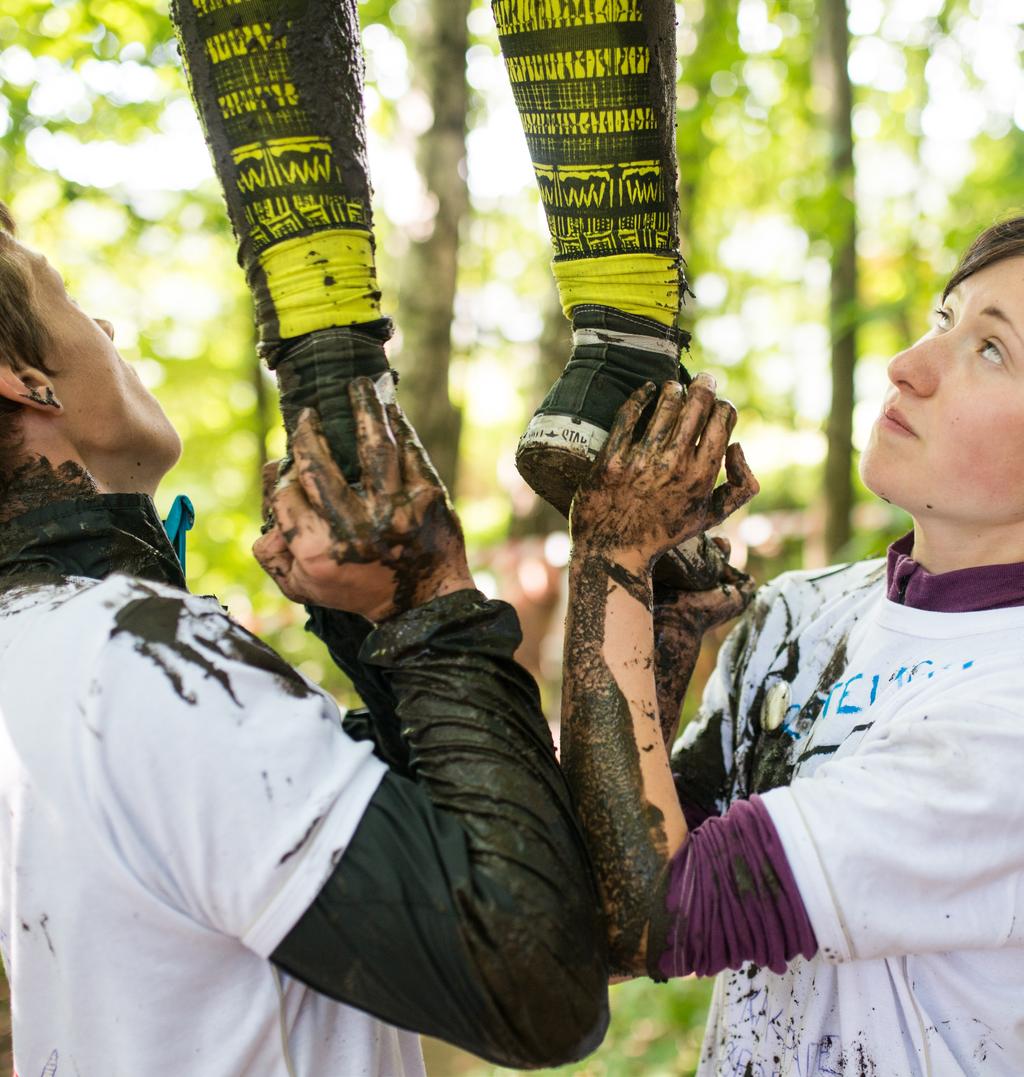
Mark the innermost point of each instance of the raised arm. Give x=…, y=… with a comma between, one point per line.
x=645, y=495
x=465, y=906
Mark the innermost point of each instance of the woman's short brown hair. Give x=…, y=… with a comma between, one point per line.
x=996, y=244
x=24, y=338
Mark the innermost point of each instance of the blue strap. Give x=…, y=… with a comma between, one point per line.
x=178, y=523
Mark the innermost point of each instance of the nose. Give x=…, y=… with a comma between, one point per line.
x=106, y=326
x=916, y=369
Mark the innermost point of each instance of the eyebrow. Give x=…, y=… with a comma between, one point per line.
x=1000, y=316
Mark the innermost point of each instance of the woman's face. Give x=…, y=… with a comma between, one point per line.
x=949, y=441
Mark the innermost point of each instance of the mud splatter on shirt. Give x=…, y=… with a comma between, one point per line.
x=886, y=744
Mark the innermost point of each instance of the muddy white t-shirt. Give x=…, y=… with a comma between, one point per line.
x=172, y=798
x=898, y=739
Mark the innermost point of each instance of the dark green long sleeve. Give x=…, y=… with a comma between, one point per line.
x=465, y=906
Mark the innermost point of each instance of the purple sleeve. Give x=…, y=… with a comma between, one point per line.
x=732, y=898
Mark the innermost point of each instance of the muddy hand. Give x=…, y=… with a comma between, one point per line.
x=681, y=617
x=704, y=609
x=270, y=475
x=377, y=548
x=686, y=612
x=649, y=493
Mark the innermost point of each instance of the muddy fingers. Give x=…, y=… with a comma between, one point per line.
x=415, y=464
x=375, y=442
x=740, y=486
x=620, y=437
x=700, y=400
x=661, y=430
x=716, y=436
x=320, y=479
x=272, y=553
x=376, y=549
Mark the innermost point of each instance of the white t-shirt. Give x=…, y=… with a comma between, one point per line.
x=171, y=802
x=904, y=826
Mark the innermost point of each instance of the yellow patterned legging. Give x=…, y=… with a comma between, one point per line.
x=278, y=86
x=594, y=81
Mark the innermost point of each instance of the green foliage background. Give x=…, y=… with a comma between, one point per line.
x=940, y=151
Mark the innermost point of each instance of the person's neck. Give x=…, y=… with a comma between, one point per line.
x=37, y=482
x=946, y=547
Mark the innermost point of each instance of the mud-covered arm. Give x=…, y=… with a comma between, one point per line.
x=645, y=495
x=677, y=641
x=704, y=759
x=360, y=555
x=681, y=618
x=465, y=906
x=612, y=750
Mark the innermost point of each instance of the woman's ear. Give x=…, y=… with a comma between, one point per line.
x=29, y=387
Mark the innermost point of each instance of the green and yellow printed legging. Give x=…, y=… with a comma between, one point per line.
x=594, y=82
x=278, y=85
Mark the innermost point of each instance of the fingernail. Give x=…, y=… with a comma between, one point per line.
x=707, y=379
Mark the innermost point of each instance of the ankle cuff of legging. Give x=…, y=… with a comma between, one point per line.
x=629, y=330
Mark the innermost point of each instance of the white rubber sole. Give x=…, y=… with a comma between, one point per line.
x=565, y=432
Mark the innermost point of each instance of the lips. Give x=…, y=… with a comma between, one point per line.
x=894, y=415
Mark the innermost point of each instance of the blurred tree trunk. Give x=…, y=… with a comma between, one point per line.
x=427, y=287
x=843, y=308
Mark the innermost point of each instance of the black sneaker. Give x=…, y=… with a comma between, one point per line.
x=315, y=371
x=613, y=354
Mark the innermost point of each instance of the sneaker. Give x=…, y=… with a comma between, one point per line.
x=613, y=355
x=315, y=371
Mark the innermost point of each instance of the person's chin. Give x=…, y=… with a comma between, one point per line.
x=164, y=446
x=868, y=469
x=882, y=480
x=157, y=456
x=174, y=447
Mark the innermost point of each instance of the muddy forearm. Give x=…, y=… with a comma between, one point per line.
x=677, y=640
x=611, y=745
